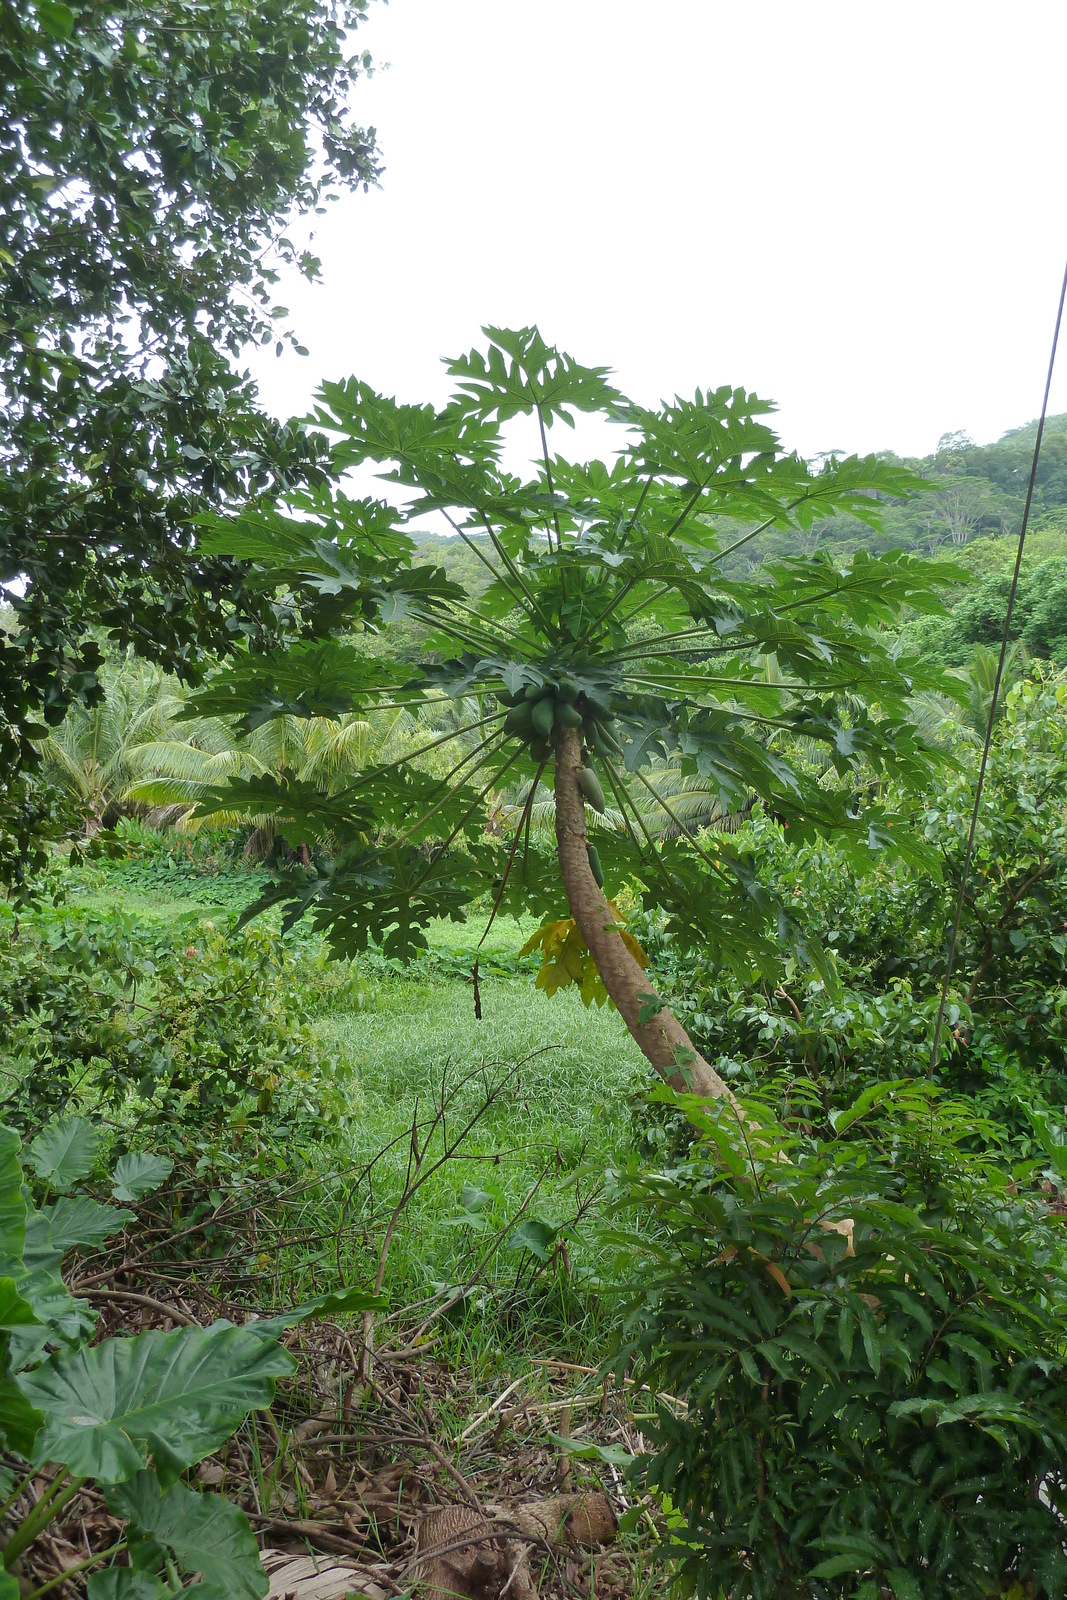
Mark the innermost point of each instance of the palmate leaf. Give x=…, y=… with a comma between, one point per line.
x=520, y=372
x=205, y=1534
x=385, y=897
x=176, y=1395
x=301, y=812
x=324, y=678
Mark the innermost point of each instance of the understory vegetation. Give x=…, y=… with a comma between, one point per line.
x=873, y=1261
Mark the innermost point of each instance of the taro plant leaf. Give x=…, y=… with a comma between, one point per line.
x=178, y=1395
x=124, y=1583
x=19, y=1421
x=339, y=1303
x=205, y=1534
x=15, y=1312
x=533, y=1235
x=63, y=1154
x=137, y=1175
x=12, y=1200
x=588, y=1450
x=76, y=1219
x=9, y=1589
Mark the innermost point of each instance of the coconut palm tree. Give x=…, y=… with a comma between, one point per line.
x=94, y=754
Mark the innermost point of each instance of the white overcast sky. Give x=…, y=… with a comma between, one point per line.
x=853, y=207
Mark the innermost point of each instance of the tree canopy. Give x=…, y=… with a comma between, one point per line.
x=148, y=163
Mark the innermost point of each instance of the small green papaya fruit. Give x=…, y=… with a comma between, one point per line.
x=594, y=865
x=589, y=784
x=519, y=718
x=543, y=716
x=567, y=716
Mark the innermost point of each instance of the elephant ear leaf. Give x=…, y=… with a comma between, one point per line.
x=64, y=1153
x=78, y=1220
x=175, y=1395
x=12, y=1202
x=137, y=1175
x=124, y=1583
x=204, y=1533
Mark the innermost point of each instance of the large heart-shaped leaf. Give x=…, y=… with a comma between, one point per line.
x=137, y=1175
x=15, y=1312
x=19, y=1421
x=12, y=1202
x=76, y=1219
x=204, y=1532
x=63, y=1154
x=124, y=1583
x=178, y=1395
x=39, y=1282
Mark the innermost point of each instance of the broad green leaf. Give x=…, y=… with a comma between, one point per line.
x=124, y=1583
x=175, y=1395
x=533, y=1235
x=19, y=1421
x=587, y=1450
x=12, y=1201
x=9, y=1589
x=77, y=1219
x=15, y=1312
x=56, y=18
x=137, y=1175
x=339, y=1303
x=63, y=1154
x=205, y=1533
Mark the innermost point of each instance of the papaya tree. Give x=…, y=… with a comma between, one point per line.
x=619, y=628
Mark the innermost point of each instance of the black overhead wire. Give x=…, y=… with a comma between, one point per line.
x=996, y=685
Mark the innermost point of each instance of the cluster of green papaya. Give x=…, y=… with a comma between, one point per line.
x=536, y=710
x=533, y=712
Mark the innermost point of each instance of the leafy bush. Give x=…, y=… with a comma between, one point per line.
x=886, y=933
x=176, y=1022
x=865, y=1326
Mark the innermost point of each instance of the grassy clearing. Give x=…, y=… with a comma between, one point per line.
x=545, y=1087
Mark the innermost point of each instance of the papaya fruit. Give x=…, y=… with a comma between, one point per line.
x=589, y=784
x=519, y=718
x=543, y=716
x=594, y=865
x=567, y=715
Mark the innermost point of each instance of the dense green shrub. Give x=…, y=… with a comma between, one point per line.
x=886, y=932
x=176, y=1024
x=865, y=1326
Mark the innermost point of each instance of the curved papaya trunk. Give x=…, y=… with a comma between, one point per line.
x=662, y=1039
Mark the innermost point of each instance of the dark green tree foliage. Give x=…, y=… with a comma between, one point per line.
x=148, y=160
x=867, y=1325
x=608, y=625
